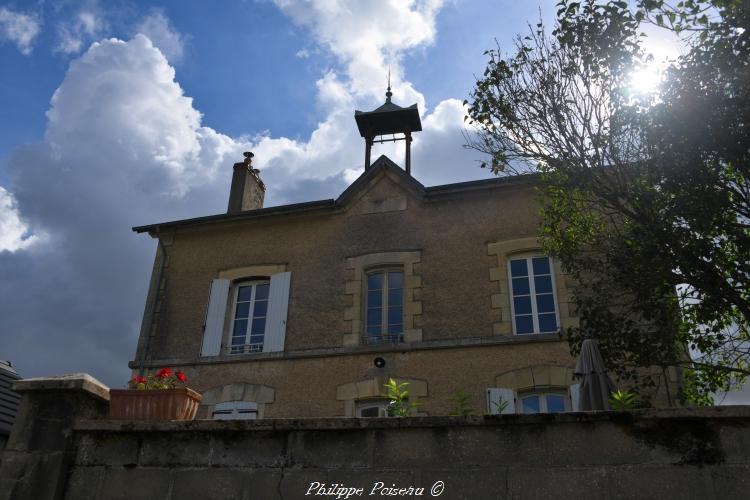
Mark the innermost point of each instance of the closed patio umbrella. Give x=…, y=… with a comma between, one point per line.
x=596, y=386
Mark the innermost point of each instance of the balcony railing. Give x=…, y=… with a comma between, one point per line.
x=382, y=338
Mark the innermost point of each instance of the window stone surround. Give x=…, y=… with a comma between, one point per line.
x=536, y=377
x=372, y=388
x=253, y=393
x=356, y=268
x=500, y=301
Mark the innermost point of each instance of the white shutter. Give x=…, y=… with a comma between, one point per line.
x=278, y=303
x=217, y=307
x=495, y=394
x=575, y=391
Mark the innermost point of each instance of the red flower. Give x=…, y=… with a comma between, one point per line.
x=164, y=373
x=140, y=379
x=181, y=376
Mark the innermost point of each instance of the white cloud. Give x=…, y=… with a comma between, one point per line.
x=14, y=233
x=18, y=28
x=164, y=36
x=72, y=34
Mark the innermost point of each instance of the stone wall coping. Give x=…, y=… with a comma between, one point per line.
x=69, y=382
x=339, y=424
x=361, y=349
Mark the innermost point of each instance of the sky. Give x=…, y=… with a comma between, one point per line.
x=123, y=113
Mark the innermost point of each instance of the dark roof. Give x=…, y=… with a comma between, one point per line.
x=382, y=163
x=388, y=119
x=9, y=399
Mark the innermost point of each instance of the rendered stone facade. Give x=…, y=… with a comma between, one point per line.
x=451, y=242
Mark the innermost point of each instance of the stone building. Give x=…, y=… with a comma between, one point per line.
x=305, y=310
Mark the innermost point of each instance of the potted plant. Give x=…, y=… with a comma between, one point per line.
x=158, y=396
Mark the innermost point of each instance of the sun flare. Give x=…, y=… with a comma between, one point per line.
x=646, y=79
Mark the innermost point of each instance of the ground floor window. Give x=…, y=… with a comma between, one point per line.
x=235, y=410
x=372, y=408
x=544, y=402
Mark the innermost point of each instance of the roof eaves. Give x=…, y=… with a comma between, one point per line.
x=308, y=206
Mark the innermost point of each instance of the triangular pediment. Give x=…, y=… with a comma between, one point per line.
x=384, y=187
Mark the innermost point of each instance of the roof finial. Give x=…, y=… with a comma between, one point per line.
x=388, y=94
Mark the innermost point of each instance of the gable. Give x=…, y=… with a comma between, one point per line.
x=384, y=187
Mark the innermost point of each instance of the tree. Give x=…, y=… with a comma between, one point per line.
x=646, y=197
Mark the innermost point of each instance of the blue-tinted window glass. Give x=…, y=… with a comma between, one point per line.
x=540, y=265
x=395, y=315
x=373, y=329
x=374, y=316
x=395, y=279
x=244, y=293
x=518, y=268
x=374, y=298
x=522, y=305
x=261, y=291
x=524, y=324
x=545, y=303
x=543, y=284
x=547, y=323
x=240, y=327
x=396, y=297
x=260, y=308
x=521, y=286
x=531, y=404
x=259, y=325
x=243, y=309
x=375, y=281
x=396, y=328
x=555, y=403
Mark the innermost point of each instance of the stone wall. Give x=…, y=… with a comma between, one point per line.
x=64, y=448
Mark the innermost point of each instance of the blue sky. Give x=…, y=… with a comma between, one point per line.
x=122, y=113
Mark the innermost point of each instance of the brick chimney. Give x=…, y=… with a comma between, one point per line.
x=247, y=189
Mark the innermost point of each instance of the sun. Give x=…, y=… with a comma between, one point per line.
x=646, y=78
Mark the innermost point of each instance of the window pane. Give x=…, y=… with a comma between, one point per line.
x=522, y=305
x=375, y=281
x=521, y=286
x=374, y=299
x=240, y=328
x=518, y=268
x=530, y=404
x=261, y=291
x=243, y=308
x=395, y=315
x=238, y=340
x=524, y=324
x=555, y=403
x=244, y=293
x=396, y=297
x=543, y=284
x=373, y=329
x=545, y=303
x=540, y=265
x=260, y=308
x=259, y=326
x=374, y=316
x=373, y=411
x=547, y=323
x=395, y=328
x=395, y=279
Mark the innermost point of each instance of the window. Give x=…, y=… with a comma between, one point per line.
x=249, y=318
x=235, y=410
x=246, y=315
x=384, y=307
x=543, y=402
x=372, y=408
x=532, y=288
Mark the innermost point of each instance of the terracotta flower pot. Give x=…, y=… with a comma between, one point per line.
x=155, y=404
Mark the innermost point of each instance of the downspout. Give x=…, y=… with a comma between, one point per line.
x=152, y=305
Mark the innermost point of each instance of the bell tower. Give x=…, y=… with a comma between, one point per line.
x=388, y=119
